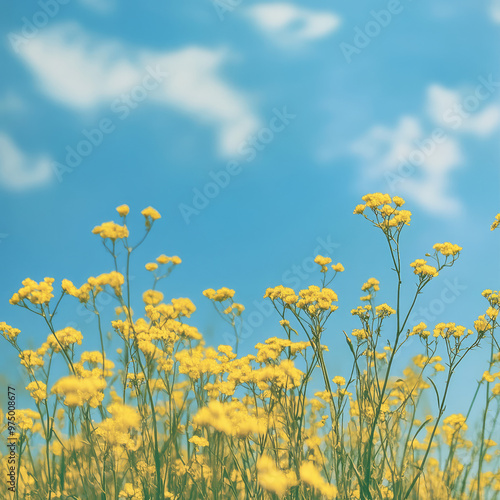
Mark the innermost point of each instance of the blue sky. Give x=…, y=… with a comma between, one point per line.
x=296, y=108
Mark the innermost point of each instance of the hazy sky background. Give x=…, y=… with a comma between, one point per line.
x=254, y=128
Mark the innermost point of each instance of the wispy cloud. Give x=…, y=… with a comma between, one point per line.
x=393, y=155
x=82, y=71
x=495, y=10
x=20, y=171
x=420, y=154
x=286, y=23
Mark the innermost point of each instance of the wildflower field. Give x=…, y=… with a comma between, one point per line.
x=156, y=413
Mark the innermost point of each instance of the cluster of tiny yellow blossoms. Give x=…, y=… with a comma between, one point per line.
x=95, y=285
x=420, y=329
x=371, y=286
x=37, y=390
x=323, y=262
x=8, y=332
x=386, y=215
x=447, y=249
x=77, y=390
x=311, y=476
x=219, y=295
x=315, y=299
x=36, y=293
x=384, y=310
x=447, y=330
x=272, y=478
x=163, y=259
x=423, y=269
x=235, y=309
x=111, y=230
x=280, y=292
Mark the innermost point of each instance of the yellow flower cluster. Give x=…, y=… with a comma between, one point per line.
x=31, y=359
x=78, y=391
x=36, y=293
x=219, y=295
x=151, y=213
x=423, y=269
x=447, y=249
x=111, y=230
x=383, y=310
x=323, y=262
x=152, y=297
x=37, y=390
x=230, y=418
x=24, y=419
x=287, y=295
x=163, y=259
x=116, y=430
x=371, y=285
x=273, y=479
x=447, y=330
x=123, y=210
x=8, y=332
x=96, y=285
x=234, y=308
x=63, y=338
x=381, y=206
x=420, y=329
x=274, y=346
x=311, y=476
x=314, y=299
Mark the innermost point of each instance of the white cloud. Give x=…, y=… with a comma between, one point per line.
x=464, y=113
x=19, y=171
x=82, y=72
x=411, y=164
x=288, y=23
x=495, y=10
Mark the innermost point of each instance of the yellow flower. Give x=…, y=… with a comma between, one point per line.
x=219, y=295
x=199, y=441
x=151, y=266
x=423, y=269
x=447, y=248
x=339, y=268
x=152, y=297
x=38, y=390
x=311, y=476
x=339, y=380
x=36, y=293
x=398, y=201
x=151, y=213
x=111, y=230
x=123, y=210
x=272, y=479
x=8, y=332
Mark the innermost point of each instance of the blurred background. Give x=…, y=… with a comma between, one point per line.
x=254, y=128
